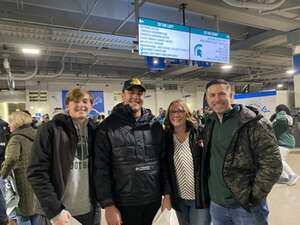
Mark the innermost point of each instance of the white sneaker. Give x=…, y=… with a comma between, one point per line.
x=293, y=180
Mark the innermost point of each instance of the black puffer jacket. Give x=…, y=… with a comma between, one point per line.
x=53, y=154
x=129, y=159
x=201, y=187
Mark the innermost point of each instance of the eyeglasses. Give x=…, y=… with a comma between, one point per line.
x=180, y=112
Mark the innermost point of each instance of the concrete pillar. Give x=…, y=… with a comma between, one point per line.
x=296, y=65
x=159, y=99
x=199, y=99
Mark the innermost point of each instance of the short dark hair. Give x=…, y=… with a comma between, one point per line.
x=283, y=107
x=217, y=81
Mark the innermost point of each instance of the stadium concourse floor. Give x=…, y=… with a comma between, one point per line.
x=284, y=201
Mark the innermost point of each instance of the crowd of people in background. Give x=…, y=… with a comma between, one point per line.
x=216, y=166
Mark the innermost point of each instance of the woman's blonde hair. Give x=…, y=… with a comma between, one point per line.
x=190, y=120
x=18, y=119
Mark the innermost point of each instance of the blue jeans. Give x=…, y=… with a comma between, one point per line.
x=30, y=220
x=189, y=215
x=239, y=216
x=3, y=215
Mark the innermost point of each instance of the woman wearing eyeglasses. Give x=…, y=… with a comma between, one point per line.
x=189, y=195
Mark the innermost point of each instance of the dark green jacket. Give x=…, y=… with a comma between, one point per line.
x=283, y=130
x=252, y=164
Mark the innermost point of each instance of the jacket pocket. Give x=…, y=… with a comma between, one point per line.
x=146, y=181
x=123, y=154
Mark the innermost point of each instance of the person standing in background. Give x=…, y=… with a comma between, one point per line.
x=4, y=132
x=282, y=125
x=17, y=155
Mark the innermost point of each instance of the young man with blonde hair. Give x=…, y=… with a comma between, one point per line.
x=61, y=168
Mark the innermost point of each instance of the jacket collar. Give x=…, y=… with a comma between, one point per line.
x=246, y=114
x=125, y=113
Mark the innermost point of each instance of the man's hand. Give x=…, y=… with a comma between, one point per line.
x=166, y=203
x=113, y=216
x=62, y=218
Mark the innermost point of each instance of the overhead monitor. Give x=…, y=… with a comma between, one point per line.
x=160, y=39
x=209, y=46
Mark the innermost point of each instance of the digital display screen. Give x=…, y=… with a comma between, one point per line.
x=209, y=46
x=166, y=40
x=159, y=39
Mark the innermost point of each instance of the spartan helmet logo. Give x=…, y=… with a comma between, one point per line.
x=198, y=50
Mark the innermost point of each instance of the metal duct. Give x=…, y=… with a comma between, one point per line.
x=12, y=77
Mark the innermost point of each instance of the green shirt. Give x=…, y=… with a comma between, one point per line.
x=282, y=126
x=221, y=138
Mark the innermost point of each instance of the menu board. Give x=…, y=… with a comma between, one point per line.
x=159, y=39
x=209, y=46
x=167, y=40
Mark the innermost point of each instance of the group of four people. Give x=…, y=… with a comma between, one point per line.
x=219, y=173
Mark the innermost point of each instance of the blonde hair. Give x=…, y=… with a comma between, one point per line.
x=76, y=94
x=190, y=120
x=18, y=119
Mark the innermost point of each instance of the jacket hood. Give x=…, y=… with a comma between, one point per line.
x=249, y=113
x=65, y=121
x=124, y=112
x=26, y=131
x=246, y=114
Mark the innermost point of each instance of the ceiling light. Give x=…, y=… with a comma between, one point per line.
x=31, y=51
x=226, y=67
x=155, y=61
x=290, y=71
x=279, y=85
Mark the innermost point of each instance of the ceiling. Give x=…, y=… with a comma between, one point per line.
x=94, y=40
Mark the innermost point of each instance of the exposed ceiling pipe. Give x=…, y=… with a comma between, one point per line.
x=71, y=44
x=12, y=77
x=129, y=16
x=60, y=72
x=251, y=5
x=82, y=25
x=6, y=66
x=30, y=76
x=280, y=10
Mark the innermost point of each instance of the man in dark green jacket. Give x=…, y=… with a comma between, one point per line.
x=243, y=159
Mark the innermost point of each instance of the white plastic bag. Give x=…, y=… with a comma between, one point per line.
x=73, y=221
x=162, y=217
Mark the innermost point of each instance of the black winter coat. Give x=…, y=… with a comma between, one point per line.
x=129, y=159
x=4, y=133
x=200, y=169
x=53, y=154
